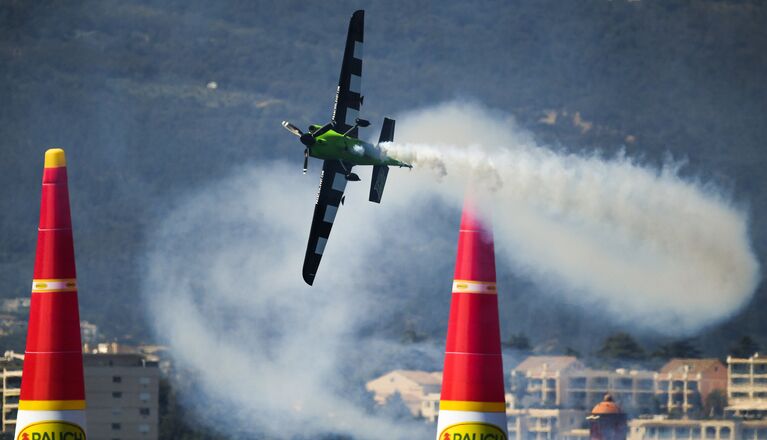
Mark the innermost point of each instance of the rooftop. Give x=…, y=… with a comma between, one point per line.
x=421, y=377
x=536, y=364
x=678, y=367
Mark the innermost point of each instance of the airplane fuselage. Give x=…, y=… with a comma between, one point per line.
x=336, y=143
x=332, y=145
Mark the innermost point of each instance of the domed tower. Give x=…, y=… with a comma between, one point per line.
x=607, y=421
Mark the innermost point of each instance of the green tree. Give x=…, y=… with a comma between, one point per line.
x=682, y=348
x=569, y=351
x=714, y=405
x=518, y=341
x=621, y=345
x=744, y=348
x=411, y=334
x=176, y=421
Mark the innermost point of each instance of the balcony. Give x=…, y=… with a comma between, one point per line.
x=539, y=428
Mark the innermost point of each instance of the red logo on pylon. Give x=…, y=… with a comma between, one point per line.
x=447, y=436
x=25, y=436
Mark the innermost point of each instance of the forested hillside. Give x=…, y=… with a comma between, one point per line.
x=124, y=88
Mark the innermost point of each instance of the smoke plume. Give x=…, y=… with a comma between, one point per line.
x=277, y=357
x=657, y=251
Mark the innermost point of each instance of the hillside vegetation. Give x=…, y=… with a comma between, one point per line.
x=122, y=86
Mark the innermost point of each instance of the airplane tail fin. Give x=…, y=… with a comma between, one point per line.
x=387, y=131
x=380, y=172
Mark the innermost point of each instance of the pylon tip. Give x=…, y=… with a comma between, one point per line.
x=55, y=158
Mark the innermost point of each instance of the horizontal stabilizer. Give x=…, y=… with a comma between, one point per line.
x=378, y=182
x=387, y=131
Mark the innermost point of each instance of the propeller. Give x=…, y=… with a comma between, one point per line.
x=292, y=128
x=308, y=139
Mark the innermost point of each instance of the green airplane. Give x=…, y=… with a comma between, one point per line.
x=337, y=144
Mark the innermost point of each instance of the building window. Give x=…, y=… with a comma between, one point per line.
x=724, y=433
x=116, y=426
x=578, y=382
x=710, y=432
x=117, y=379
x=143, y=397
x=740, y=369
x=117, y=394
x=144, y=380
x=143, y=411
x=143, y=428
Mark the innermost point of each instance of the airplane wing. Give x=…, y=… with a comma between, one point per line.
x=332, y=185
x=349, y=92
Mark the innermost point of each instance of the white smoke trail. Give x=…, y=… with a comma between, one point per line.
x=280, y=358
x=656, y=250
x=269, y=354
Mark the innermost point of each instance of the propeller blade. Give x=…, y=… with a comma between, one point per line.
x=292, y=128
x=306, y=159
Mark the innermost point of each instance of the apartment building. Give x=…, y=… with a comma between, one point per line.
x=632, y=389
x=747, y=386
x=546, y=424
x=541, y=380
x=121, y=392
x=419, y=390
x=11, y=364
x=663, y=428
x=564, y=382
x=683, y=385
x=122, y=395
